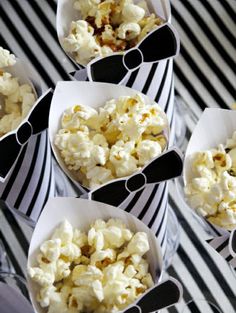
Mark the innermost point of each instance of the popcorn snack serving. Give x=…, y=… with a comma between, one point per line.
x=212, y=190
x=107, y=26
x=77, y=266
x=16, y=99
x=115, y=141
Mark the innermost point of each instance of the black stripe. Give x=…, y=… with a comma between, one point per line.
x=36, y=193
x=193, y=308
x=53, y=5
x=150, y=78
x=132, y=78
x=222, y=246
x=23, y=242
x=134, y=200
x=4, y=44
x=158, y=209
x=48, y=25
x=29, y=174
x=218, y=20
x=228, y=9
x=203, y=79
x=49, y=187
x=40, y=41
x=205, y=54
x=13, y=175
x=26, y=48
x=162, y=82
x=229, y=258
x=169, y=98
x=148, y=203
x=210, y=35
x=11, y=256
x=213, y=228
x=204, y=253
x=162, y=220
x=185, y=81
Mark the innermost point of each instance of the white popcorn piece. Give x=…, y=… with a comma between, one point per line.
x=71, y=251
x=138, y=244
x=212, y=190
x=128, y=31
x=51, y=249
x=41, y=277
x=6, y=58
x=147, y=150
x=132, y=13
x=64, y=232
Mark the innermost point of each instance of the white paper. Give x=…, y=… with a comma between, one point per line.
x=81, y=213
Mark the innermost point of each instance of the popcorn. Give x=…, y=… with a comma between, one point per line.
x=212, y=190
x=105, y=284
x=6, y=59
x=106, y=27
x=17, y=99
x=115, y=141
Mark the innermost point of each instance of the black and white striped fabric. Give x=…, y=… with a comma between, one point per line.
x=204, y=76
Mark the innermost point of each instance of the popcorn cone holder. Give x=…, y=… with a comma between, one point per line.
x=142, y=194
x=81, y=213
x=214, y=127
x=26, y=174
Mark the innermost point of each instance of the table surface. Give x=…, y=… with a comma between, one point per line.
x=204, y=75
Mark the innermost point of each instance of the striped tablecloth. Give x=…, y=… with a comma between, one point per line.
x=204, y=75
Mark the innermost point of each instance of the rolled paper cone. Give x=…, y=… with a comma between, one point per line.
x=26, y=172
x=213, y=128
x=81, y=213
x=148, y=204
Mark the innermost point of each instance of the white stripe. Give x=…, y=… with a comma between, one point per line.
x=156, y=81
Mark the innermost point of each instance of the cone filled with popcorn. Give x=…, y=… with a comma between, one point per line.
x=210, y=174
x=112, y=141
x=26, y=178
x=87, y=256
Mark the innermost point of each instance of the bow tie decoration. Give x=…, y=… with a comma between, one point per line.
x=164, y=167
x=158, y=297
x=160, y=44
x=226, y=246
x=12, y=143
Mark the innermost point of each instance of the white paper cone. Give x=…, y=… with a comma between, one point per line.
x=81, y=213
x=150, y=204
x=26, y=174
x=214, y=127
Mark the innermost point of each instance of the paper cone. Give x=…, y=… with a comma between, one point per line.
x=214, y=127
x=148, y=204
x=81, y=213
x=26, y=175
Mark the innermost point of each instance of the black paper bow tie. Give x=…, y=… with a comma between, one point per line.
x=162, y=43
x=11, y=145
x=157, y=298
x=166, y=166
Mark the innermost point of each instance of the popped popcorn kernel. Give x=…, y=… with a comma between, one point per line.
x=212, y=190
x=106, y=283
x=114, y=141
